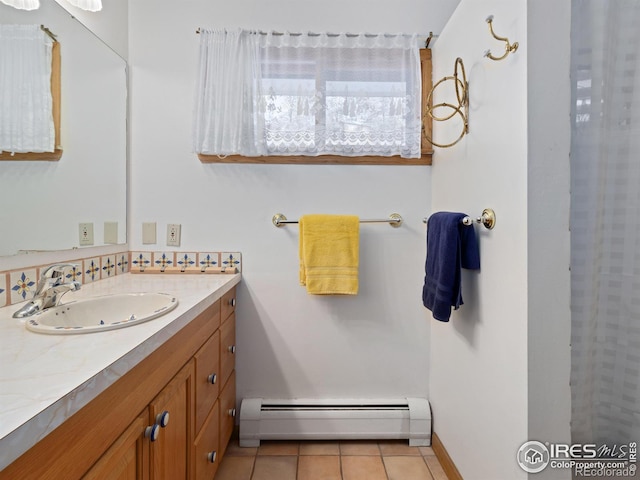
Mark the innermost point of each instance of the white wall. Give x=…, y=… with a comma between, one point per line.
x=549, y=281
x=290, y=344
x=487, y=387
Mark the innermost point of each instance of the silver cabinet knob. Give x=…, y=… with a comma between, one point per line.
x=232, y=302
x=162, y=419
x=231, y=412
x=152, y=432
x=211, y=456
x=212, y=379
x=231, y=348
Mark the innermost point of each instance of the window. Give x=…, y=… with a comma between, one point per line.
x=56, y=154
x=326, y=100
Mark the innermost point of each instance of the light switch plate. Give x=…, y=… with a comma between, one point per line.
x=173, y=234
x=149, y=232
x=86, y=234
x=110, y=232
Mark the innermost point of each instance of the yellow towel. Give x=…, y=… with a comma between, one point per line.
x=329, y=251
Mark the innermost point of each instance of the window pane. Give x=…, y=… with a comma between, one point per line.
x=289, y=107
x=365, y=116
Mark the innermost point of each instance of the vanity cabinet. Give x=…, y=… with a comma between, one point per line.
x=170, y=417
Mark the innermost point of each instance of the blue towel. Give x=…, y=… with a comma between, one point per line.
x=451, y=245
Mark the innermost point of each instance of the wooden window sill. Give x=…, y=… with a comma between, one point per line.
x=44, y=156
x=425, y=159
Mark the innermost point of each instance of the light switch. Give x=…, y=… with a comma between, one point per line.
x=111, y=232
x=149, y=232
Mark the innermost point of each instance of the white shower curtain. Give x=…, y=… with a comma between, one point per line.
x=605, y=221
x=26, y=119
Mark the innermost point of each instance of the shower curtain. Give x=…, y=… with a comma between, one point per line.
x=605, y=221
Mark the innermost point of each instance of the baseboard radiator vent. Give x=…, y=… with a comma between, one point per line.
x=343, y=419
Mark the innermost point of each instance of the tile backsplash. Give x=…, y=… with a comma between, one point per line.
x=19, y=285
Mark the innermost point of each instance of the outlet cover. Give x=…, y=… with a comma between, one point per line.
x=149, y=232
x=173, y=234
x=86, y=234
x=110, y=232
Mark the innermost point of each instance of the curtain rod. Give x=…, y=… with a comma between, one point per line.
x=314, y=34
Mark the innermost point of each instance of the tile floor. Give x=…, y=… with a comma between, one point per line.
x=330, y=460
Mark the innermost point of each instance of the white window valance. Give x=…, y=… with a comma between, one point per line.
x=307, y=94
x=26, y=118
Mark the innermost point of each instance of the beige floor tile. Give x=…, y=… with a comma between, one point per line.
x=363, y=468
x=436, y=469
x=234, y=449
x=424, y=451
x=275, y=467
x=235, y=468
x=399, y=447
x=359, y=447
x=278, y=448
x=319, y=448
x=319, y=467
x=406, y=468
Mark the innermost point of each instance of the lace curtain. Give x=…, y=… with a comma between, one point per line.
x=605, y=224
x=26, y=119
x=307, y=94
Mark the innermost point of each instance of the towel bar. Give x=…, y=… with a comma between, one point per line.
x=395, y=220
x=488, y=219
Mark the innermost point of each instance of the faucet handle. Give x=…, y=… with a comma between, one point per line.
x=57, y=270
x=53, y=275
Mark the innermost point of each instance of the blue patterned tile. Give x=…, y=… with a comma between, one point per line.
x=22, y=284
x=4, y=278
x=92, y=270
x=122, y=262
x=208, y=259
x=163, y=259
x=186, y=260
x=141, y=260
x=231, y=259
x=108, y=264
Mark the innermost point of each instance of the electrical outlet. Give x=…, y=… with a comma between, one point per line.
x=86, y=234
x=173, y=234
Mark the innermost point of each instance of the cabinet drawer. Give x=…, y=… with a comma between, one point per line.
x=207, y=454
x=208, y=378
x=227, y=348
x=228, y=304
x=227, y=412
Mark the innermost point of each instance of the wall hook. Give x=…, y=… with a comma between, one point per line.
x=509, y=48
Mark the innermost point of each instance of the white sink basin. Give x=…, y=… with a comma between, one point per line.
x=99, y=314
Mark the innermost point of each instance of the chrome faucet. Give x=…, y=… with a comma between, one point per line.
x=50, y=289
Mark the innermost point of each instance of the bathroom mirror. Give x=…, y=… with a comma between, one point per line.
x=43, y=203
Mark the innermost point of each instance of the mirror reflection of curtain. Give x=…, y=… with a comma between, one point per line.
x=26, y=119
x=605, y=221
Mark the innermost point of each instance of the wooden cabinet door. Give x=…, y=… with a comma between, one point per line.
x=207, y=378
x=227, y=348
x=170, y=454
x=227, y=412
x=128, y=457
x=227, y=304
x=207, y=451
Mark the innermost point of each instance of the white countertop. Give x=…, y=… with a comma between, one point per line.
x=44, y=379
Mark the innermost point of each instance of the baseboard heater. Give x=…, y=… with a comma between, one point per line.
x=340, y=419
